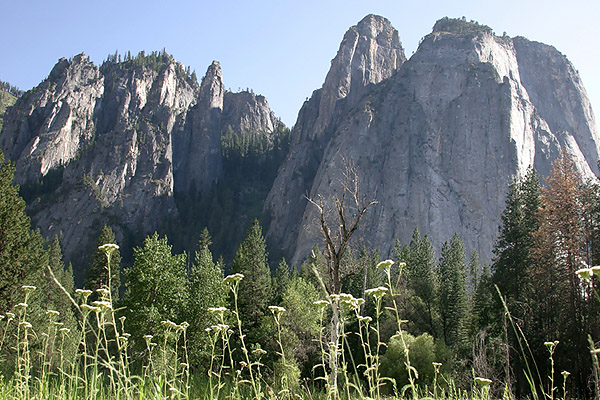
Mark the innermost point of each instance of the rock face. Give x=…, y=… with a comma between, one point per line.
x=113, y=144
x=369, y=53
x=436, y=140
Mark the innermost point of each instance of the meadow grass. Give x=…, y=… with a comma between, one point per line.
x=102, y=366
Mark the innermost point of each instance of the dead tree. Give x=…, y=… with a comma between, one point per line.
x=346, y=212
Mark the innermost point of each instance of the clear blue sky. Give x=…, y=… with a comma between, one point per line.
x=279, y=48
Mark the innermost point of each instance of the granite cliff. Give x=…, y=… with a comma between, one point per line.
x=115, y=144
x=436, y=140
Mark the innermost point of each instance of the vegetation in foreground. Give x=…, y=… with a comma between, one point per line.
x=411, y=329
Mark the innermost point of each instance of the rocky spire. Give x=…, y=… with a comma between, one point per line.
x=370, y=52
x=211, y=88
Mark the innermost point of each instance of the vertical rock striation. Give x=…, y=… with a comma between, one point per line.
x=437, y=142
x=113, y=144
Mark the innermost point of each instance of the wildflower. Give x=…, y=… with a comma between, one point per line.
x=25, y=325
x=103, y=291
x=83, y=294
x=565, y=374
x=58, y=323
x=233, y=278
x=216, y=309
x=483, y=382
x=551, y=345
x=364, y=319
x=436, y=366
x=585, y=273
x=385, y=264
x=28, y=288
x=334, y=297
x=64, y=331
x=377, y=292
x=148, y=337
x=169, y=324
x=24, y=305
x=108, y=247
x=277, y=309
x=10, y=315
x=184, y=325
x=88, y=308
x=321, y=303
x=259, y=352
x=184, y=365
x=54, y=313
x=596, y=270
x=104, y=305
x=44, y=334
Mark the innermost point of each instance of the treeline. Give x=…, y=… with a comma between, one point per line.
x=459, y=318
x=7, y=87
x=155, y=60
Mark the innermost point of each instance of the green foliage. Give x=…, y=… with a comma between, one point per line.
x=513, y=249
x=423, y=283
x=255, y=289
x=96, y=275
x=6, y=100
x=21, y=251
x=157, y=61
x=421, y=350
x=460, y=26
x=155, y=288
x=452, y=292
x=301, y=322
x=206, y=289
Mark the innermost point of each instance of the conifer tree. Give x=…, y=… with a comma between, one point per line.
x=422, y=281
x=206, y=290
x=513, y=249
x=452, y=292
x=255, y=289
x=96, y=276
x=21, y=251
x=281, y=278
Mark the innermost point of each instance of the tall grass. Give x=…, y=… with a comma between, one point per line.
x=102, y=367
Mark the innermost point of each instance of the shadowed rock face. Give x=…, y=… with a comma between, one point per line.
x=436, y=140
x=113, y=144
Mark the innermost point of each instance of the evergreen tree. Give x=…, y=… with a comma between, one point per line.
x=452, y=292
x=281, y=278
x=96, y=276
x=422, y=282
x=206, y=290
x=21, y=251
x=155, y=288
x=255, y=289
x=513, y=249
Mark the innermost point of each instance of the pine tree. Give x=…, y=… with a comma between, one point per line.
x=206, y=290
x=452, y=292
x=281, y=278
x=96, y=276
x=21, y=251
x=255, y=289
x=513, y=249
x=422, y=281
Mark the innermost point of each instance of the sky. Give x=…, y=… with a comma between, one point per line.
x=281, y=49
